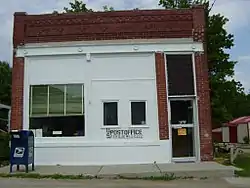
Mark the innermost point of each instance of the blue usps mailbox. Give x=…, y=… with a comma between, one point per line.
x=22, y=149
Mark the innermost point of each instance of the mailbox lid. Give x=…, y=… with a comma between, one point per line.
x=22, y=134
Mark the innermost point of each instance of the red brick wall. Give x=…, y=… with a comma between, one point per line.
x=16, y=120
x=203, y=90
x=162, y=98
x=109, y=25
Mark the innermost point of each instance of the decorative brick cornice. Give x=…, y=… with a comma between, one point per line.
x=98, y=19
x=143, y=24
x=199, y=24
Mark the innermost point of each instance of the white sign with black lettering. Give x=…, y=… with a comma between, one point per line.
x=124, y=134
x=19, y=152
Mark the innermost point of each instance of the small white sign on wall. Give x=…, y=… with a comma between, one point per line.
x=124, y=134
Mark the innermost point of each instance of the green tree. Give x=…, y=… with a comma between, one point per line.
x=108, y=9
x=76, y=7
x=179, y=3
x=225, y=94
x=5, y=83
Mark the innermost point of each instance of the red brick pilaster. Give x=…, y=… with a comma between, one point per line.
x=161, y=96
x=17, y=94
x=19, y=29
x=16, y=120
x=202, y=83
x=204, y=109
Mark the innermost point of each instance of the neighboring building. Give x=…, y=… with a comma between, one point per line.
x=119, y=87
x=235, y=131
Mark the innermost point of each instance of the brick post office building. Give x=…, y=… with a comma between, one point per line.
x=119, y=87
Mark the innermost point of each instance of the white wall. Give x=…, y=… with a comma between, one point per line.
x=123, y=77
x=225, y=134
x=104, y=153
x=242, y=131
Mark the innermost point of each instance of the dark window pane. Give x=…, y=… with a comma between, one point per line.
x=110, y=113
x=59, y=126
x=56, y=99
x=180, y=75
x=183, y=142
x=181, y=112
x=39, y=100
x=74, y=99
x=138, y=113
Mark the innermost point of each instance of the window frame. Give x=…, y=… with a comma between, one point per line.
x=102, y=115
x=65, y=101
x=146, y=125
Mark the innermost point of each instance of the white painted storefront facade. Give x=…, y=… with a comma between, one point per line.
x=119, y=71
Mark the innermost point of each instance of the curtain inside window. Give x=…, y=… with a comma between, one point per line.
x=56, y=99
x=39, y=100
x=74, y=102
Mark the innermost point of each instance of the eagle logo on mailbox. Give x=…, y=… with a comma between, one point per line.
x=19, y=152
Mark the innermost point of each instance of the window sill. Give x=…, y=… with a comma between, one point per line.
x=138, y=126
x=110, y=127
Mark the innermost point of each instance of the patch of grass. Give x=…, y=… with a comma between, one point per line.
x=203, y=178
x=53, y=176
x=4, y=163
x=164, y=177
x=222, y=158
x=243, y=162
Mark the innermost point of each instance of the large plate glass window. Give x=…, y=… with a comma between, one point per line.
x=57, y=110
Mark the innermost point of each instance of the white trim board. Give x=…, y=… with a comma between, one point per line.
x=4, y=106
x=98, y=47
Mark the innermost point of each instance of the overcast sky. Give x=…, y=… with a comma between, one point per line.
x=237, y=11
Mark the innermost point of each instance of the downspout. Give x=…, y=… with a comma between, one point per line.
x=9, y=112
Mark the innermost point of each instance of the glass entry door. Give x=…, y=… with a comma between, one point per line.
x=182, y=122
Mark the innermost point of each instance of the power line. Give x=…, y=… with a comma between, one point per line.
x=212, y=5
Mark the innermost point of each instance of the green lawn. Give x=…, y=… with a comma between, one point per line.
x=243, y=162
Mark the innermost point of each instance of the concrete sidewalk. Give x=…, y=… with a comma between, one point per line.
x=239, y=182
x=205, y=169
x=46, y=183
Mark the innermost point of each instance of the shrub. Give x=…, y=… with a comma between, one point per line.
x=4, y=147
x=246, y=140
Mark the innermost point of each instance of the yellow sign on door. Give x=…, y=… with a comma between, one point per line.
x=182, y=132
